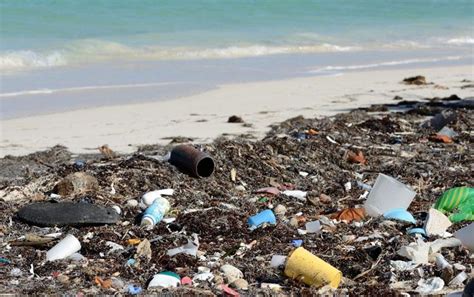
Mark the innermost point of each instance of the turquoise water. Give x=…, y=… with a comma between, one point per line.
x=58, y=55
x=50, y=33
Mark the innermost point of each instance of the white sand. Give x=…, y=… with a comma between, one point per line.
x=204, y=116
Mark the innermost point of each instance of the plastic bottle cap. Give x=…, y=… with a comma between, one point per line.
x=147, y=221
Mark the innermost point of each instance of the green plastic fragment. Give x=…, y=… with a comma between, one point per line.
x=460, y=199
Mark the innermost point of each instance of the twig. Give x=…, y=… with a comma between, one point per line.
x=371, y=268
x=44, y=163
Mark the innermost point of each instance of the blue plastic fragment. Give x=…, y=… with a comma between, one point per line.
x=131, y=262
x=134, y=289
x=297, y=242
x=364, y=186
x=4, y=261
x=79, y=164
x=399, y=214
x=417, y=231
x=263, y=217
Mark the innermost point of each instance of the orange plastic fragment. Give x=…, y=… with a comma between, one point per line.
x=441, y=138
x=106, y=284
x=133, y=241
x=312, y=132
x=356, y=158
x=349, y=214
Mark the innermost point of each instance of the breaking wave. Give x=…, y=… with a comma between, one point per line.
x=87, y=51
x=30, y=59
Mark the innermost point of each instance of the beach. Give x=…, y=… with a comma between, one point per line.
x=236, y=148
x=203, y=116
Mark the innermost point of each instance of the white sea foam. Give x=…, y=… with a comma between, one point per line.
x=84, y=88
x=94, y=50
x=30, y=59
x=390, y=63
x=89, y=51
x=464, y=40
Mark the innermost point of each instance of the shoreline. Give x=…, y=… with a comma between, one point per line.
x=203, y=116
x=64, y=89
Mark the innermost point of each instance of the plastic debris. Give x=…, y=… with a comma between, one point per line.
x=349, y=215
x=106, y=284
x=16, y=272
x=358, y=157
x=149, y=197
x=4, y=261
x=387, y=194
x=185, y=281
x=460, y=198
x=441, y=262
x=440, y=120
x=465, y=235
x=134, y=289
x=117, y=209
x=311, y=270
x=240, y=284
x=300, y=195
x=441, y=138
x=114, y=247
x=268, y=190
x=430, y=286
x=413, y=231
x=204, y=276
x=63, y=249
x=133, y=241
x=144, y=250
x=417, y=252
x=166, y=279
x=448, y=132
x=364, y=186
x=191, y=248
x=436, y=223
x=458, y=280
x=77, y=257
x=228, y=291
x=278, y=261
x=348, y=186
x=297, y=242
x=280, y=210
x=231, y=273
x=399, y=265
x=420, y=252
x=400, y=214
x=441, y=243
x=67, y=214
x=263, y=217
x=313, y=227
x=273, y=287
x=155, y=212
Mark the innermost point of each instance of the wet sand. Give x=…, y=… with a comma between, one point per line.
x=203, y=116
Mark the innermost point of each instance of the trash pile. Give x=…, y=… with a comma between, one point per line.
x=361, y=203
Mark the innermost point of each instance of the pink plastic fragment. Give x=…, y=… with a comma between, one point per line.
x=186, y=281
x=269, y=190
x=228, y=291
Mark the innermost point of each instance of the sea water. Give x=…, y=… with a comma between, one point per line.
x=89, y=49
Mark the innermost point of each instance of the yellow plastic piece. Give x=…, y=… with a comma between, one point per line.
x=311, y=270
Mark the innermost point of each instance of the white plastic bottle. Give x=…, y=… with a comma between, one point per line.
x=155, y=212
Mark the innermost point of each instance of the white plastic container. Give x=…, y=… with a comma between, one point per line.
x=63, y=249
x=387, y=194
x=466, y=236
